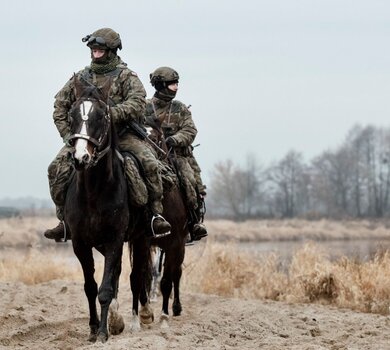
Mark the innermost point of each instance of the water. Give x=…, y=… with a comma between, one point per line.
x=361, y=249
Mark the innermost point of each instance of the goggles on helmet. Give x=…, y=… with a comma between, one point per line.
x=90, y=40
x=170, y=82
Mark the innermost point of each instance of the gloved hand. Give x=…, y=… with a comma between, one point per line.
x=115, y=114
x=170, y=141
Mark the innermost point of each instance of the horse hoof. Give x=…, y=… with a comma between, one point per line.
x=116, y=325
x=146, y=314
x=135, y=324
x=102, y=337
x=147, y=320
x=164, y=321
x=93, y=334
x=92, y=337
x=176, y=309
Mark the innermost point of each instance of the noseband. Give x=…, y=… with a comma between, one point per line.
x=98, y=143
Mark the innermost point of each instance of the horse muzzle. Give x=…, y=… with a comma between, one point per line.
x=82, y=162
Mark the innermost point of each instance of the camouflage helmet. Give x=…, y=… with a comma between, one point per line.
x=105, y=38
x=163, y=75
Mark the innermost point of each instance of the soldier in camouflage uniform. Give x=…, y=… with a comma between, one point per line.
x=127, y=97
x=179, y=131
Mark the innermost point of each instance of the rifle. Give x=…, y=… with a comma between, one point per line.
x=141, y=132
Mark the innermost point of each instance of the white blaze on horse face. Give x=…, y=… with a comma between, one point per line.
x=149, y=130
x=81, y=153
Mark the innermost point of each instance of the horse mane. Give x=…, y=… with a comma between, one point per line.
x=84, y=89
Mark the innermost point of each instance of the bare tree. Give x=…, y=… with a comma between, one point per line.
x=288, y=179
x=236, y=191
x=352, y=180
x=332, y=172
x=375, y=145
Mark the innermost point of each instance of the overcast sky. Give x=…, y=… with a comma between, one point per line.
x=263, y=77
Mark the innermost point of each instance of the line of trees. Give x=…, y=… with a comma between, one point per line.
x=351, y=181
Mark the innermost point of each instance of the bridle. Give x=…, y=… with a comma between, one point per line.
x=105, y=138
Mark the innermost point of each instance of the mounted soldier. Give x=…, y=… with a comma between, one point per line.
x=179, y=130
x=127, y=99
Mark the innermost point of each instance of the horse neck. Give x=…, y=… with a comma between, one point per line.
x=158, y=135
x=105, y=173
x=101, y=177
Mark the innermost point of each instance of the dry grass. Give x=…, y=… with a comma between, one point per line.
x=35, y=267
x=24, y=232
x=224, y=269
x=27, y=231
x=310, y=278
x=296, y=230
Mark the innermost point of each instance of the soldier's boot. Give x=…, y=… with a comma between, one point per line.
x=160, y=227
x=198, y=231
x=202, y=190
x=57, y=233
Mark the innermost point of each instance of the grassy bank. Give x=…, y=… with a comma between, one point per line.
x=221, y=267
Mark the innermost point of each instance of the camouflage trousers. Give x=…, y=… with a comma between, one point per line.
x=60, y=170
x=187, y=178
x=196, y=168
x=148, y=159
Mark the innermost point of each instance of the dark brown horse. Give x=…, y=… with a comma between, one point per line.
x=97, y=213
x=173, y=245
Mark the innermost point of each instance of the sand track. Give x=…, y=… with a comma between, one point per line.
x=54, y=315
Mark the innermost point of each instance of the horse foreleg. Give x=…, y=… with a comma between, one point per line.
x=116, y=324
x=107, y=288
x=156, y=274
x=166, y=289
x=139, y=280
x=176, y=276
x=146, y=313
x=135, y=284
x=85, y=256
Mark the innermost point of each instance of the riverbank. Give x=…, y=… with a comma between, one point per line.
x=224, y=267
x=28, y=231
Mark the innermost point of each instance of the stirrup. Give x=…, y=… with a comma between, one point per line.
x=155, y=217
x=62, y=239
x=189, y=241
x=56, y=237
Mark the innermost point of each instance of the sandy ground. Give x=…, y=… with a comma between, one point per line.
x=54, y=315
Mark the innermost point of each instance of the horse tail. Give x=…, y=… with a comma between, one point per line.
x=148, y=273
x=140, y=252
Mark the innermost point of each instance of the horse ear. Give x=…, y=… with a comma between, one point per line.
x=106, y=88
x=78, y=87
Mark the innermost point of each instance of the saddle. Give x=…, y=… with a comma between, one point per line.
x=136, y=179
x=138, y=193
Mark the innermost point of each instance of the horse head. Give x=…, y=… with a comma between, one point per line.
x=90, y=124
x=153, y=126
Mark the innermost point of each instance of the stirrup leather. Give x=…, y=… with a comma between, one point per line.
x=65, y=238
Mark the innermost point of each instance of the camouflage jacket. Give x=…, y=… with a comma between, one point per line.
x=127, y=93
x=175, y=118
